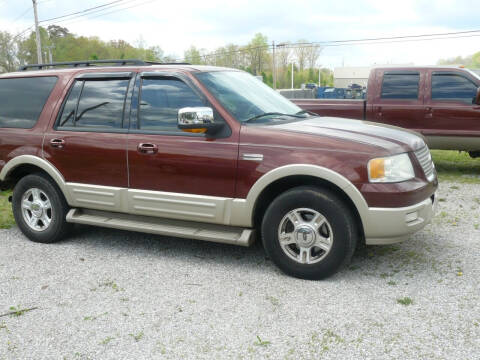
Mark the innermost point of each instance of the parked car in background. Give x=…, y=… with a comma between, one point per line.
x=441, y=103
x=204, y=153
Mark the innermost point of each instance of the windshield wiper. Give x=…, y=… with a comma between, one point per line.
x=306, y=112
x=271, y=114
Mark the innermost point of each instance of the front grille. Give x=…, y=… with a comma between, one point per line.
x=425, y=160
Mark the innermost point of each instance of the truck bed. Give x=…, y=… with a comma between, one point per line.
x=346, y=108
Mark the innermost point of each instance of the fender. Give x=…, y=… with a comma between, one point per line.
x=242, y=209
x=40, y=163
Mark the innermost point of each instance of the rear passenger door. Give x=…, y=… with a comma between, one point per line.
x=400, y=100
x=449, y=108
x=88, y=141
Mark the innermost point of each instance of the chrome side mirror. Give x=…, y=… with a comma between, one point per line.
x=197, y=119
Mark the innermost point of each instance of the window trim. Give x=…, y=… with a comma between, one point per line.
x=402, y=72
x=138, y=123
x=44, y=104
x=121, y=129
x=450, y=73
x=105, y=76
x=134, y=112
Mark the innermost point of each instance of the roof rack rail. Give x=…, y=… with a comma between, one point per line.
x=87, y=63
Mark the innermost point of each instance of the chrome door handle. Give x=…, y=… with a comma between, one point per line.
x=428, y=112
x=57, y=143
x=146, y=148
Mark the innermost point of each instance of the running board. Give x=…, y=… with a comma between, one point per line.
x=161, y=226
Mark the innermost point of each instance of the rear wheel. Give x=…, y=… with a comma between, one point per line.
x=309, y=232
x=40, y=209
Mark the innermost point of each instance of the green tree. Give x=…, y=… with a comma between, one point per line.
x=8, y=52
x=471, y=61
x=259, y=58
x=193, y=56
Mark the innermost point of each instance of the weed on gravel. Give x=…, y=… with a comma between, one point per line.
x=261, y=342
x=137, y=337
x=405, y=301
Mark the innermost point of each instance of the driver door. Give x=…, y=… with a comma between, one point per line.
x=171, y=171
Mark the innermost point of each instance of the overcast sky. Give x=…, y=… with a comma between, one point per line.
x=175, y=25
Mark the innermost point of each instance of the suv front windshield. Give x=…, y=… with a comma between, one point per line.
x=246, y=97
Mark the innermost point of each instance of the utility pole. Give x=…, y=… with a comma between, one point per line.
x=292, y=74
x=320, y=76
x=49, y=48
x=274, y=66
x=37, y=32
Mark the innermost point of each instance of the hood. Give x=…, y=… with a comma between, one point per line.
x=390, y=138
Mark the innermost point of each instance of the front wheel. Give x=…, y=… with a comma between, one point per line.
x=309, y=232
x=40, y=209
x=474, y=154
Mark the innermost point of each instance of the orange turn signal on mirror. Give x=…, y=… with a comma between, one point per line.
x=377, y=168
x=196, y=131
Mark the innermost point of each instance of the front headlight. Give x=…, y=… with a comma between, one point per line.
x=390, y=169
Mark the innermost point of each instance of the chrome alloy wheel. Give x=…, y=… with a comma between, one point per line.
x=305, y=235
x=36, y=209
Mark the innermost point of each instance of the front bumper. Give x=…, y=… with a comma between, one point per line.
x=390, y=225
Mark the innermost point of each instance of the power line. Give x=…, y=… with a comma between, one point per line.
x=397, y=37
x=22, y=32
x=104, y=13
x=84, y=13
x=22, y=14
x=80, y=12
x=297, y=45
x=366, y=41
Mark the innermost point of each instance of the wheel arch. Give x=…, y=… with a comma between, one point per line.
x=28, y=164
x=281, y=179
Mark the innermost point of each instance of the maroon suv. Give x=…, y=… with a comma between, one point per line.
x=205, y=153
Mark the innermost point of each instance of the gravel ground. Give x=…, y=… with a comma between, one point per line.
x=107, y=294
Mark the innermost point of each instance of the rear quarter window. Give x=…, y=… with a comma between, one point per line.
x=94, y=105
x=22, y=100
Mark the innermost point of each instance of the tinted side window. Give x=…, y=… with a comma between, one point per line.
x=452, y=87
x=160, y=100
x=96, y=104
x=400, y=85
x=22, y=100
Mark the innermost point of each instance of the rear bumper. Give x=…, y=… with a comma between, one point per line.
x=390, y=225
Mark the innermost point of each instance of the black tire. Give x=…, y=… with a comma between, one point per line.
x=334, y=210
x=58, y=227
x=474, y=154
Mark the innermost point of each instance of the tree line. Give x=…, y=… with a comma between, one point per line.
x=257, y=58
x=59, y=44
x=471, y=61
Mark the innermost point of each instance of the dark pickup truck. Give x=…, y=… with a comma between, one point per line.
x=442, y=103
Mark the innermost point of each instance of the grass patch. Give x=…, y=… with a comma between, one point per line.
x=6, y=215
x=405, y=301
x=106, y=340
x=456, y=166
x=138, y=336
x=261, y=342
x=16, y=311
